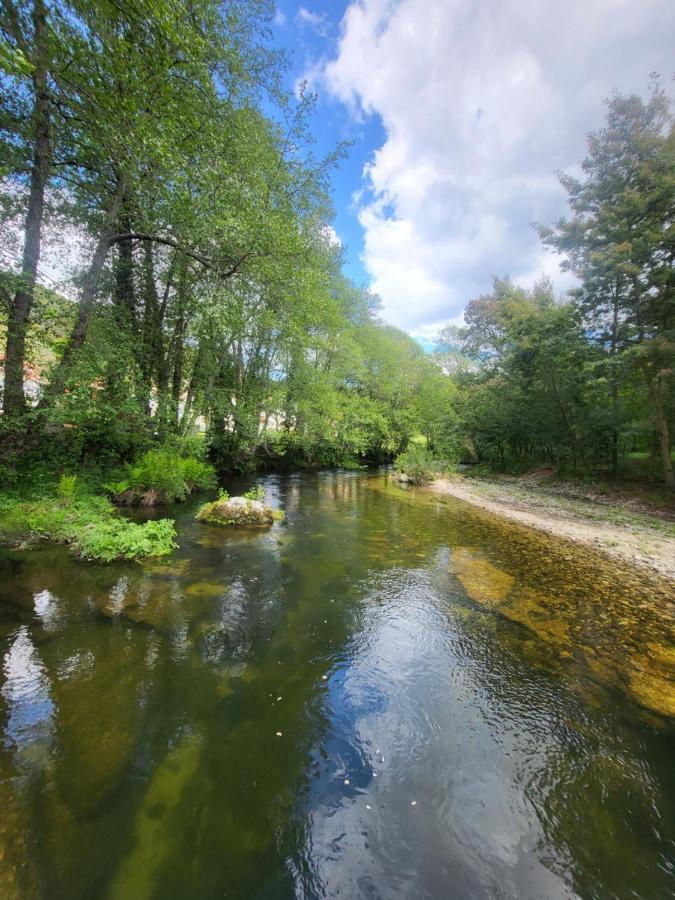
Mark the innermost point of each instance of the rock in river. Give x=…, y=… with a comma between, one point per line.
x=238, y=511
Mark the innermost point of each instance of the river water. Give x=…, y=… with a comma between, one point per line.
x=390, y=694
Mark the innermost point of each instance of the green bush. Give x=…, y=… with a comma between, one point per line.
x=90, y=525
x=198, y=475
x=257, y=492
x=419, y=464
x=189, y=445
x=162, y=476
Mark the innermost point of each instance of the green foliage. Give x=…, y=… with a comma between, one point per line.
x=119, y=539
x=66, y=489
x=89, y=524
x=285, y=364
x=162, y=476
x=620, y=243
x=188, y=446
x=13, y=62
x=351, y=465
x=419, y=464
x=256, y=493
x=223, y=495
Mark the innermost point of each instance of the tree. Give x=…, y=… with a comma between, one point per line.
x=620, y=242
x=33, y=51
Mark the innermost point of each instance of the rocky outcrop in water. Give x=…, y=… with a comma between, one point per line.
x=238, y=511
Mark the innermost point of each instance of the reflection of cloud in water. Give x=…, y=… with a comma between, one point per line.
x=117, y=596
x=26, y=692
x=410, y=722
x=229, y=636
x=47, y=609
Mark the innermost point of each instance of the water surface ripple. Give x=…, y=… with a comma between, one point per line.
x=390, y=695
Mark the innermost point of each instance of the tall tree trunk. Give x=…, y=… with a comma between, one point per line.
x=661, y=421
x=615, y=383
x=19, y=313
x=87, y=296
x=125, y=303
x=187, y=416
x=178, y=345
x=151, y=339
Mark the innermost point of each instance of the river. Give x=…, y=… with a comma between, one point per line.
x=388, y=695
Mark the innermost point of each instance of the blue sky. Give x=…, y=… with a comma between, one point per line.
x=460, y=113
x=310, y=33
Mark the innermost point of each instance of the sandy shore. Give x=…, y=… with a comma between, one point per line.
x=646, y=541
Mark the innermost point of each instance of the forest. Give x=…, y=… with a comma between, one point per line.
x=156, y=146
x=585, y=381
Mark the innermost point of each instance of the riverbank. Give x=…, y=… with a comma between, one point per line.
x=621, y=527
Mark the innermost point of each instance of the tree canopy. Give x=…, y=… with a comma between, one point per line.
x=212, y=295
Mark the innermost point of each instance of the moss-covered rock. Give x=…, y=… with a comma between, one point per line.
x=238, y=511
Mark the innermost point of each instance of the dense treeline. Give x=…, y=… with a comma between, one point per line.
x=582, y=383
x=211, y=295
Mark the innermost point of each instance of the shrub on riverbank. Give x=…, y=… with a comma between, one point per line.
x=89, y=524
x=161, y=476
x=418, y=465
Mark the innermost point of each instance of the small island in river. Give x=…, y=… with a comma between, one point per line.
x=243, y=512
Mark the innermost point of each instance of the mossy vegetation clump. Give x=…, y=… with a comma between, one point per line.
x=247, y=511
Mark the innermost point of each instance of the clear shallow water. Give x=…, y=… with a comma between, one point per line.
x=466, y=709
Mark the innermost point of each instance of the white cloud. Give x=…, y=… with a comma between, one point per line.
x=279, y=18
x=331, y=237
x=481, y=103
x=317, y=21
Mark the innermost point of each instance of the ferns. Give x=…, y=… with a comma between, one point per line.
x=162, y=476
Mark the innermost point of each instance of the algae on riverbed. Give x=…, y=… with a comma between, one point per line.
x=156, y=827
x=645, y=670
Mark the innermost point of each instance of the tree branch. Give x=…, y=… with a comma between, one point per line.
x=232, y=268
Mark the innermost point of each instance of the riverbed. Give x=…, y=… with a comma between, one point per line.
x=391, y=694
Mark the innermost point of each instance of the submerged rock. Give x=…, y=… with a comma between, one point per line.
x=238, y=511
x=482, y=581
x=652, y=682
x=157, y=825
x=96, y=695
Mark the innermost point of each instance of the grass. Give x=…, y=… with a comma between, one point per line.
x=89, y=524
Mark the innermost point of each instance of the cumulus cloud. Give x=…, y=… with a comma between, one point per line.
x=481, y=103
